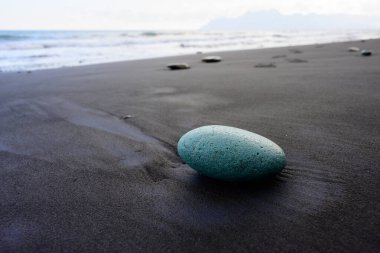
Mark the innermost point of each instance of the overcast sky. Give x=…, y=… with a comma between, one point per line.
x=156, y=14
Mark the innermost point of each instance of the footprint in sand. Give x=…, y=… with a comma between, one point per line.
x=295, y=51
x=266, y=65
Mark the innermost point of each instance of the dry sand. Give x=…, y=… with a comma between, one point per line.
x=75, y=176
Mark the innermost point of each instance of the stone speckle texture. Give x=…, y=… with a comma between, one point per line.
x=230, y=154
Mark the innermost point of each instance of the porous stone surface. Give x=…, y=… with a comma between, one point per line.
x=211, y=59
x=178, y=66
x=230, y=154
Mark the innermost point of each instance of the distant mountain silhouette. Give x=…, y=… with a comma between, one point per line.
x=273, y=20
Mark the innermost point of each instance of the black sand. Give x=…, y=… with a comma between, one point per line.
x=77, y=175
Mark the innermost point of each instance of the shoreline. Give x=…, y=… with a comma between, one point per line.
x=187, y=54
x=88, y=158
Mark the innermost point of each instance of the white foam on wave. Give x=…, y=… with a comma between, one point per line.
x=19, y=50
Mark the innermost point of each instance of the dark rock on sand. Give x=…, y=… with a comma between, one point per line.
x=353, y=49
x=128, y=116
x=266, y=65
x=210, y=59
x=178, y=66
x=366, y=53
x=296, y=60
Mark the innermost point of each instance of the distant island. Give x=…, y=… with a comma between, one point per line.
x=274, y=20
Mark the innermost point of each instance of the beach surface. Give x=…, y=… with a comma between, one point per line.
x=88, y=159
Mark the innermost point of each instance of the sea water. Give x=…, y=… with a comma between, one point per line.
x=33, y=50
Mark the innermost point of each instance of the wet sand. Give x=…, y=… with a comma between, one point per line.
x=88, y=158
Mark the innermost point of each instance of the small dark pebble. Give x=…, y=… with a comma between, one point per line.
x=29, y=72
x=199, y=52
x=353, y=49
x=296, y=60
x=366, y=53
x=211, y=59
x=128, y=116
x=178, y=66
x=266, y=65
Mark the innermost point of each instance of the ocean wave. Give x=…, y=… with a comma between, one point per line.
x=20, y=50
x=40, y=56
x=150, y=34
x=8, y=37
x=279, y=36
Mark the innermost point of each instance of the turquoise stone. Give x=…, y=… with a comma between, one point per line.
x=230, y=154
